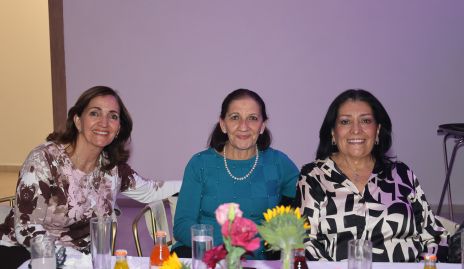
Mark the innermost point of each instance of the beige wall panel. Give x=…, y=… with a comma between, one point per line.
x=25, y=84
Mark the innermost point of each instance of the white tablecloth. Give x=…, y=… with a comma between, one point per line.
x=344, y=265
x=84, y=262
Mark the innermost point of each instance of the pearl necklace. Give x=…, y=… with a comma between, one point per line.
x=248, y=174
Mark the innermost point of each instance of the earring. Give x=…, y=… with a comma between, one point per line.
x=377, y=140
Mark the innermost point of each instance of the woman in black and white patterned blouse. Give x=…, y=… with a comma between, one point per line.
x=353, y=190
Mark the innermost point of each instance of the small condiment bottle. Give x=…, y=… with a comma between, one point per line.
x=121, y=259
x=299, y=259
x=430, y=261
x=160, y=251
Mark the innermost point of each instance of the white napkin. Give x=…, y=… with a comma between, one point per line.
x=77, y=260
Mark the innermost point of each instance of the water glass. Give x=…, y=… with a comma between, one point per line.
x=202, y=241
x=100, y=244
x=359, y=254
x=43, y=252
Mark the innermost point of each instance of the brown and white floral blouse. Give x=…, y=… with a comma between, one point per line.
x=55, y=198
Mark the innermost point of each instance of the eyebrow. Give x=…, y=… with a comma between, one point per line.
x=96, y=107
x=348, y=115
x=237, y=113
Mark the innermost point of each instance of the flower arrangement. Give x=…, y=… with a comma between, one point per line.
x=239, y=236
x=283, y=229
x=173, y=262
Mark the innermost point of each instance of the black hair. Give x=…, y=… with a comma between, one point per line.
x=326, y=149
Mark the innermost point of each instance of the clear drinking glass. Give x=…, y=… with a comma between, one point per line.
x=100, y=236
x=202, y=241
x=43, y=252
x=359, y=254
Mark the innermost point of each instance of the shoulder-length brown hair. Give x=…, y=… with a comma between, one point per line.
x=116, y=151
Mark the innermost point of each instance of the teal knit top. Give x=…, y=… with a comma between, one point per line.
x=206, y=185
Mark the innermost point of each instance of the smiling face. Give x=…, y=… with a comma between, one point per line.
x=99, y=123
x=355, y=130
x=243, y=123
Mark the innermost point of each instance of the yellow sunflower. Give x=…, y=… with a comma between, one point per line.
x=173, y=263
x=283, y=228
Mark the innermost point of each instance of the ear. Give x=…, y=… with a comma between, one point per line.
x=222, y=125
x=77, y=123
x=378, y=129
x=263, y=127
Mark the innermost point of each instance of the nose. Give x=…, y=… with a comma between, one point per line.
x=355, y=128
x=243, y=125
x=104, y=121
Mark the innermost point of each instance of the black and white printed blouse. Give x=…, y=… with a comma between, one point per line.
x=392, y=212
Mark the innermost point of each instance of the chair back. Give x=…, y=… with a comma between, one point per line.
x=6, y=204
x=449, y=225
x=159, y=216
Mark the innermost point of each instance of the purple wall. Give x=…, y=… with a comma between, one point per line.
x=174, y=61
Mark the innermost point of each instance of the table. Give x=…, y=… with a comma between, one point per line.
x=84, y=262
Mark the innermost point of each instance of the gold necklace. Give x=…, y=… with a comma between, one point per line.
x=356, y=173
x=78, y=162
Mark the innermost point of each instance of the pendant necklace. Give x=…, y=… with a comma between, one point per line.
x=93, y=175
x=248, y=174
x=356, y=173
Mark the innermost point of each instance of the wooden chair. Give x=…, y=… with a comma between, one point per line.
x=10, y=199
x=6, y=204
x=159, y=215
x=114, y=231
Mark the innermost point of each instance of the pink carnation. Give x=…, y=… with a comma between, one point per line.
x=242, y=233
x=222, y=212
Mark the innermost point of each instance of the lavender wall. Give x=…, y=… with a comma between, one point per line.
x=174, y=61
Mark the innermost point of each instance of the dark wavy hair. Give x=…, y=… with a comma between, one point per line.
x=116, y=151
x=218, y=139
x=326, y=149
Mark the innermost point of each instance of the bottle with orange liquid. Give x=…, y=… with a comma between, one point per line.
x=160, y=251
x=121, y=260
x=430, y=261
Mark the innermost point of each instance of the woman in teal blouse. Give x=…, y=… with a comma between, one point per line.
x=239, y=166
